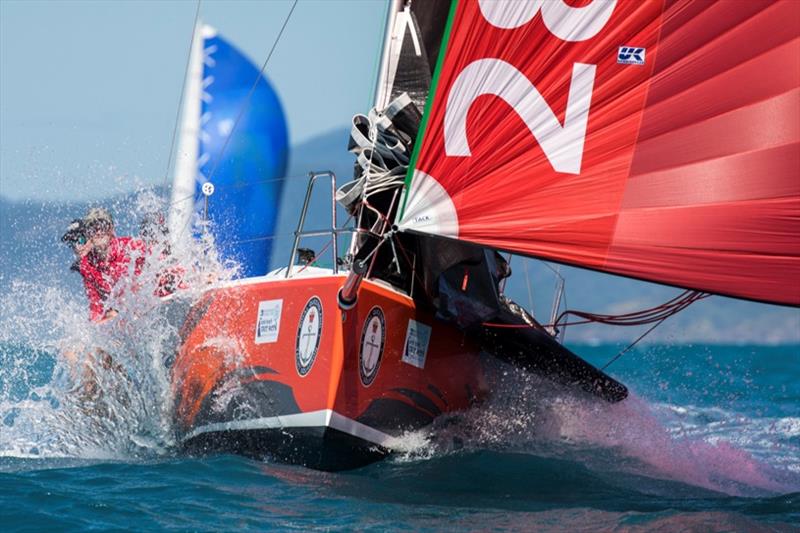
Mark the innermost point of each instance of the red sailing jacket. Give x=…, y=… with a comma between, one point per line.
x=100, y=276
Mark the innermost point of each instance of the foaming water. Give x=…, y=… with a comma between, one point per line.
x=70, y=388
x=731, y=453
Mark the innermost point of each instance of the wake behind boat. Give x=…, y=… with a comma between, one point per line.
x=325, y=367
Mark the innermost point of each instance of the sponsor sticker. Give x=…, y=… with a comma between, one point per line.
x=630, y=55
x=268, y=322
x=418, y=335
x=309, y=333
x=372, y=339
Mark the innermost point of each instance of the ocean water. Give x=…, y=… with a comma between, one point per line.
x=709, y=440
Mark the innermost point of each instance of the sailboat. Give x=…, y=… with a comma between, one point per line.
x=653, y=140
x=231, y=182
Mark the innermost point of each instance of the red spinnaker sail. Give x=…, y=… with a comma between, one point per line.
x=654, y=139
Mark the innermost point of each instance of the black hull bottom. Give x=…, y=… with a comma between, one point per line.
x=320, y=448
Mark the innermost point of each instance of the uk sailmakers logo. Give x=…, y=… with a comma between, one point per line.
x=309, y=333
x=373, y=337
x=630, y=55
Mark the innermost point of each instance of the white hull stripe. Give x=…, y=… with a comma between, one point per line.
x=321, y=418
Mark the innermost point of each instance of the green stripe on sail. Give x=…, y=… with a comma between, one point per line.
x=429, y=103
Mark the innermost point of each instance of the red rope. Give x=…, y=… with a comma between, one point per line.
x=316, y=256
x=639, y=318
x=319, y=254
x=636, y=318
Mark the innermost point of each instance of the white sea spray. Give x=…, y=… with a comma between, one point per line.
x=71, y=388
x=531, y=415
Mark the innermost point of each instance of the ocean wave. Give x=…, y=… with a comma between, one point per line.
x=706, y=447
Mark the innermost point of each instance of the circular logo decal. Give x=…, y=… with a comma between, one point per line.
x=372, y=338
x=309, y=333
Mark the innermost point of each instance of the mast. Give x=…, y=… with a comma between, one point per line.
x=389, y=55
x=383, y=84
x=186, y=166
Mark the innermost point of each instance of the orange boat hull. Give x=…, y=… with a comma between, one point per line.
x=273, y=367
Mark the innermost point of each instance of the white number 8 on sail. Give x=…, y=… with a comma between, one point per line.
x=564, y=21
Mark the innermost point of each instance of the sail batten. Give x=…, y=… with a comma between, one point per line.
x=659, y=141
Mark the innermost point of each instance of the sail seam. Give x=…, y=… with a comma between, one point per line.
x=612, y=236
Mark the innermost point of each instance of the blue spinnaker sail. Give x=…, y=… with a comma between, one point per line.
x=245, y=163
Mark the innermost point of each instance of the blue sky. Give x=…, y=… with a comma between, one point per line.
x=89, y=89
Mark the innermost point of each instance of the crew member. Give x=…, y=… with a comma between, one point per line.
x=106, y=260
x=99, y=258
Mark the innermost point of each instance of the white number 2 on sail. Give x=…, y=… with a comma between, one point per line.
x=562, y=145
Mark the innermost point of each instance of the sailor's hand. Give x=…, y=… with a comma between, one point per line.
x=71, y=356
x=110, y=314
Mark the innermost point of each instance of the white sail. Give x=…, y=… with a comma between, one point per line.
x=186, y=166
x=392, y=44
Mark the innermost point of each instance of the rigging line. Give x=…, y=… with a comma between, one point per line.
x=386, y=85
x=561, y=334
x=246, y=101
x=639, y=318
x=316, y=256
x=231, y=186
x=170, y=204
x=505, y=279
x=642, y=317
x=274, y=236
x=188, y=221
x=372, y=134
x=528, y=283
x=377, y=65
x=631, y=345
x=415, y=277
x=548, y=265
x=179, y=200
x=180, y=100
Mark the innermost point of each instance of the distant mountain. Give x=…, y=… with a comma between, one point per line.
x=30, y=251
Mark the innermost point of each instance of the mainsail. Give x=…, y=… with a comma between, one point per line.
x=234, y=136
x=658, y=140
x=412, y=42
